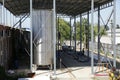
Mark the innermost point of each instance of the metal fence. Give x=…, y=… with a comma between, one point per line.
x=106, y=49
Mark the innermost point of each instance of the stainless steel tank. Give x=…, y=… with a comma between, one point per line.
x=42, y=37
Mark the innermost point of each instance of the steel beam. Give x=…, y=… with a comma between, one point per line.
x=22, y=19
x=18, y=21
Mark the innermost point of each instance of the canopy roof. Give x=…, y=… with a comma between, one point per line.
x=68, y=7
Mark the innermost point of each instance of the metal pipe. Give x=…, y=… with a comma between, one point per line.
x=80, y=32
x=92, y=24
x=54, y=34
x=31, y=36
x=98, y=33
x=114, y=33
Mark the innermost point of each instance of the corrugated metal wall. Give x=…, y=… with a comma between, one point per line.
x=13, y=43
x=5, y=46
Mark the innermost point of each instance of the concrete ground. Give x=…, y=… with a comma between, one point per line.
x=76, y=69
x=70, y=67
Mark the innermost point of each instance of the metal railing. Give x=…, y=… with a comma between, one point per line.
x=107, y=48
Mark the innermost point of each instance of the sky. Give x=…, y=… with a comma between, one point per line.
x=105, y=13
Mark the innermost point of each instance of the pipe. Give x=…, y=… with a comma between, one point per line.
x=98, y=33
x=114, y=33
x=92, y=24
x=54, y=34
x=31, y=36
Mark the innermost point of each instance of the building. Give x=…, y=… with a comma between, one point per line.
x=107, y=39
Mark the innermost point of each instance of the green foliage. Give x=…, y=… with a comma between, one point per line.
x=84, y=31
x=102, y=30
x=64, y=29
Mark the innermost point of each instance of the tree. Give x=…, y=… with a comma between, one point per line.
x=85, y=29
x=64, y=29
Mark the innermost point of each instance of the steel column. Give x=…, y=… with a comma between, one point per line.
x=70, y=32
x=54, y=34
x=10, y=19
x=58, y=33
x=13, y=19
x=114, y=33
x=92, y=25
x=80, y=32
x=20, y=24
x=1, y=14
x=75, y=32
x=3, y=10
x=20, y=27
x=98, y=33
x=31, y=40
x=6, y=21
x=88, y=34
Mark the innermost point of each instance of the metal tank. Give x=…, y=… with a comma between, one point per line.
x=42, y=37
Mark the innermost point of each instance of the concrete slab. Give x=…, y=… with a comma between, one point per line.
x=74, y=70
x=37, y=77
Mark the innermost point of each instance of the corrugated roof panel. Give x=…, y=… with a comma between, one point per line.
x=68, y=7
